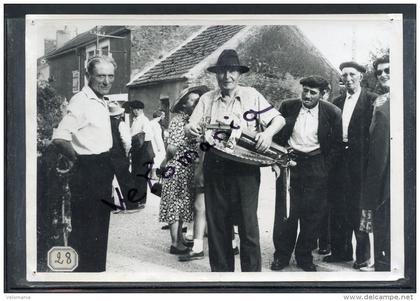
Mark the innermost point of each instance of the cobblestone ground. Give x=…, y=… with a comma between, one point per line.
x=137, y=243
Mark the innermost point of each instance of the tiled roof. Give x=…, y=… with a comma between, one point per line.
x=189, y=55
x=85, y=38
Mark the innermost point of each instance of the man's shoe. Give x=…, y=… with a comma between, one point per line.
x=235, y=251
x=369, y=268
x=308, y=267
x=278, y=265
x=334, y=258
x=191, y=256
x=359, y=265
x=175, y=251
x=324, y=251
x=129, y=211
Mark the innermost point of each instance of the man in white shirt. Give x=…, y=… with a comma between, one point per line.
x=157, y=141
x=346, y=182
x=141, y=154
x=84, y=137
x=313, y=131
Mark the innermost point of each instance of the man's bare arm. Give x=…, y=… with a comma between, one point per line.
x=265, y=138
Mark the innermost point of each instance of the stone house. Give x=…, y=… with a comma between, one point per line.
x=278, y=56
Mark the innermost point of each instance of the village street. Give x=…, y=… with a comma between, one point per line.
x=137, y=243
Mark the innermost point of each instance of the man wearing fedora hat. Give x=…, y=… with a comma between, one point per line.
x=231, y=188
x=356, y=106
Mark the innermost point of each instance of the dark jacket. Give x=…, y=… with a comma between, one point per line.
x=376, y=186
x=351, y=168
x=358, y=130
x=329, y=128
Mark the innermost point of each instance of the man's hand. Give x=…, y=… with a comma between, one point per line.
x=264, y=140
x=66, y=149
x=163, y=164
x=193, y=130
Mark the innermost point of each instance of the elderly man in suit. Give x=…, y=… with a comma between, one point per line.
x=356, y=105
x=376, y=186
x=313, y=131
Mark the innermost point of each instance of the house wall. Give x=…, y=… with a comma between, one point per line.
x=61, y=67
x=43, y=72
x=121, y=52
x=151, y=95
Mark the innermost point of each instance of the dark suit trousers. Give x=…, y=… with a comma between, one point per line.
x=308, y=205
x=382, y=237
x=125, y=180
x=324, y=237
x=231, y=197
x=346, y=211
x=141, y=163
x=91, y=183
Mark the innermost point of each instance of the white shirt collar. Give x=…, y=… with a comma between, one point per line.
x=91, y=95
x=314, y=111
x=235, y=95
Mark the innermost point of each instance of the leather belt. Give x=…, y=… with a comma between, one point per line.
x=304, y=156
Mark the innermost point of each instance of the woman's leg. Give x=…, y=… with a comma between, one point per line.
x=176, y=235
x=199, y=222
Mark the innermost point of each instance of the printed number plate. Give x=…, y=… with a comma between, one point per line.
x=62, y=259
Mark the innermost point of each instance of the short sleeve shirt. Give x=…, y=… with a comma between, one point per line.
x=214, y=108
x=87, y=124
x=142, y=124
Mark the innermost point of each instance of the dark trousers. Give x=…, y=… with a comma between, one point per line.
x=308, y=203
x=382, y=237
x=324, y=236
x=346, y=211
x=141, y=167
x=125, y=180
x=91, y=183
x=231, y=197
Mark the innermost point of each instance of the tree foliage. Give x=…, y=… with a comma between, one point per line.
x=50, y=110
x=370, y=82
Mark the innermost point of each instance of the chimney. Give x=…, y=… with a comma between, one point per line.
x=49, y=45
x=63, y=36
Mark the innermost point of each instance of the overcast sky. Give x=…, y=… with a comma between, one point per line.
x=334, y=40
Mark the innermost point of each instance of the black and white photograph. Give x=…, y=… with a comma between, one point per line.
x=214, y=148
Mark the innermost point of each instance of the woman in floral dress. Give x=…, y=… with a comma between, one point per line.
x=178, y=194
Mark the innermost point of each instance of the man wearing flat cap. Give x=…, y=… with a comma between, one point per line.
x=313, y=131
x=356, y=106
x=231, y=188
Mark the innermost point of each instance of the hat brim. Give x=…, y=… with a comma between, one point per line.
x=119, y=112
x=199, y=89
x=216, y=68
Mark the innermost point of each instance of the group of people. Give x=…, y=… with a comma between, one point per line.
x=341, y=151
